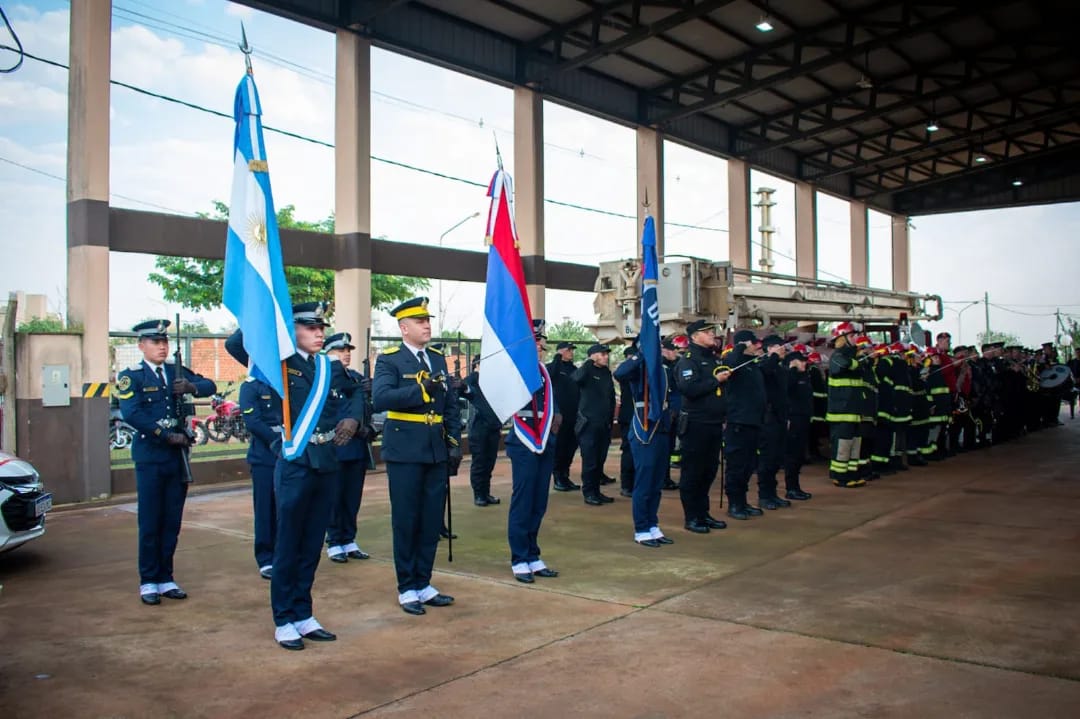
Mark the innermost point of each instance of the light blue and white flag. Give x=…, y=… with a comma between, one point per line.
x=255, y=289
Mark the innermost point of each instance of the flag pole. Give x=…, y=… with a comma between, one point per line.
x=645, y=394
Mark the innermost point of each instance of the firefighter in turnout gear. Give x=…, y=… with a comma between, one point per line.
x=845, y=407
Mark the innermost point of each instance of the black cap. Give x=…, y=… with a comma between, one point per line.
x=564, y=345
x=745, y=336
x=668, y=344
x=339, y=341
x=152, y=329
x=539, y=327
x=698, y=326
x=772, y=340
x=416, y=307
x=992, y=346
x=310, y=313
x=598, y=348
x=794, y=356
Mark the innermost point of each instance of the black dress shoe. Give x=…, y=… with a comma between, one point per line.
x=413, y=608
x=774, y=503
x=604, y=479
x=605, y=499
x=526, y=578
x=738, y=512
x=593, y=500
x=626, y=492
x=668, y=484
x=339, y=558
x=445, y=534
x=563, y=486
x=664, y=540
x=797, y=494
x=480, y=501
x=175, y=594
x=696, y=527
x=150, y=599
x=320, y=635
x=492, y=500
x=440, y=600
x=292, y=644
x=752, y=510
x=713, y=523
x=547, y=572
x=357, y=554
x=648, y=542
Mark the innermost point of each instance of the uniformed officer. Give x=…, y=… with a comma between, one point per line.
x=148, y=393
x=305, y=475
x=746, y=400
x=596, y=411
x=353, y=458
x=800, y=402
x=421, y=446
x=484, y=432
x=673, y=349
x=649, y=444
x=562, y=368
x=530, y=445
x=700, y=378
x=625, y=419
x=261, y=410
x=774, y=429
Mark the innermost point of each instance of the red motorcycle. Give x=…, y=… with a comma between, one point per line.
x=227, y=420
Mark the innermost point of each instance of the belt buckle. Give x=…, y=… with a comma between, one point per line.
x=429, y=418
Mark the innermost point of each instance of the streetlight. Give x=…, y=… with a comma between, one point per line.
x=959, y=315
x=459, y=223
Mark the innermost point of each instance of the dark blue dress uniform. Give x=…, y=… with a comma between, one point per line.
x=353, y=461
x=421, y=428
x=701, y=429
x=745, y=415
x=261, y=410
x=774, y=429
x=800, y=400
x=148, y=404
x=303, y=489
x=650, y=448
x=625, y=418
x=484, y=432
x=531, y=473
x=596, y=411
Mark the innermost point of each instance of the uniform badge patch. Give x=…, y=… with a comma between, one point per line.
x=687, y=373
x=124, y=384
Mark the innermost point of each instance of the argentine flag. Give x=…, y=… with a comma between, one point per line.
x=255, y=289
x=510, y=369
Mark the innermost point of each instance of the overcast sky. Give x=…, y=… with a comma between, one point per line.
x=165, y=157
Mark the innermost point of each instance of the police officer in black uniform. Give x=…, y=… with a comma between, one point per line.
x=700, y=378
x=800, y=402
x=484, y=432
x=562, y=368
x=625, y=418
x=305, y=475
x=596, y=411
x=532, y=461
x=148, y=392
x=421, y=446
x=774, y=429
x=745, y=415
x=353, y=458
x=261, y=410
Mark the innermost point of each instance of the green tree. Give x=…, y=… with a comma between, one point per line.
x=995, y=336
x=569, y=331
x=197, y=284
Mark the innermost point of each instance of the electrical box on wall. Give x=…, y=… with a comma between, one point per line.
x=54, y=386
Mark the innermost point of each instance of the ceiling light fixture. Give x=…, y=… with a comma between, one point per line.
x=764, y=25
x=933, y=126
x=981, y=159
x=1017, y=182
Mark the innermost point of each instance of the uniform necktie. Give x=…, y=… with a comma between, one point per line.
x=161, y=376
x=423, y=362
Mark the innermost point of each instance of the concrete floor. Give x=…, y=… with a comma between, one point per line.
x=949, y=591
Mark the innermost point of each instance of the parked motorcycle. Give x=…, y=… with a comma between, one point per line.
x=227, y=420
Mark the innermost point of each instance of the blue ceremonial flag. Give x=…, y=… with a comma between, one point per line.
x=649, y=340
x=255, y=289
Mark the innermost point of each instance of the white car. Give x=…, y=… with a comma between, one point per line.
x=23, y=502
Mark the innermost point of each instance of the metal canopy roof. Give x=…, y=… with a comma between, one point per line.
x=840, y=93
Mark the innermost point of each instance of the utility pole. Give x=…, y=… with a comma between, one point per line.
x=986, y=302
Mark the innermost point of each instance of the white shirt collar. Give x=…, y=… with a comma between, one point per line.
x=302, y=353
x=153, y=367
x=414, y=349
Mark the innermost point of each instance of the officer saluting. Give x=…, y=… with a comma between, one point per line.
x=421, y=436
x=148, y=392
x=352, y=457
x=306, y=471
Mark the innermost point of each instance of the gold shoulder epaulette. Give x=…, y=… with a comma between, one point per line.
x=391, y=350
x=435, y=350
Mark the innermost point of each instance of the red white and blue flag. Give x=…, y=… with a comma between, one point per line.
x=510, y=372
